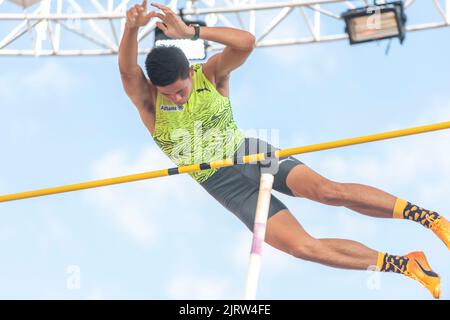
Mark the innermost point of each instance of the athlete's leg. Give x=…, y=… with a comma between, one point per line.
x=367, y=200
x=305, y=182
x=285, y=233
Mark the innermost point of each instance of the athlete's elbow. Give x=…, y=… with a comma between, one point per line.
x=249, y=42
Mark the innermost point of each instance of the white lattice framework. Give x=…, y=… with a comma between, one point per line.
x=94, y=27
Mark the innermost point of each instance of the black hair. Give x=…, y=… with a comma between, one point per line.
x=166, y=64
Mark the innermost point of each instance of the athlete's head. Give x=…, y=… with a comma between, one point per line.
x=168, y=69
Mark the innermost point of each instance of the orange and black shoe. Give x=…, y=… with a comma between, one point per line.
x=419, y=269
x=441, y=228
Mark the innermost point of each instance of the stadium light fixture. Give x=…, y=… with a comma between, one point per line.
x=376, y=22
x=193, y=49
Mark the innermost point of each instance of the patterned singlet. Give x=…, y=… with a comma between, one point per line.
x=201, y=130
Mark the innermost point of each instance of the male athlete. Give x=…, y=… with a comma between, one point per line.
x=179, y=101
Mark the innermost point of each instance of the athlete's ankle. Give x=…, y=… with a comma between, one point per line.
x=406, y=210
x=391, y=263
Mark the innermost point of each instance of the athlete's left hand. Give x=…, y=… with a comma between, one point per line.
x=171, y=24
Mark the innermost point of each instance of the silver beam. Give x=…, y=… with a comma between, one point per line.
x=94, y=27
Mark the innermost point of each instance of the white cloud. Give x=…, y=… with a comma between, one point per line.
x=141, y=209
x=96, y=294
x=49, y=232
x=437, y=111
x=3, y=188
x=48, y=77
x=204, y=287
x=312, y=64
x=6, y=88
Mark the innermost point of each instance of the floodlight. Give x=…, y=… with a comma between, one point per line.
x=376, y=22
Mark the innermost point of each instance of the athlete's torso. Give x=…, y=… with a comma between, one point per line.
x=201, y=130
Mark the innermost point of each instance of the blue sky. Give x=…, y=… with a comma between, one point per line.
x=66, y=120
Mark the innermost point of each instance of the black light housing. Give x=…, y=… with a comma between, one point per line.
x=193, y=49
x=376, y=22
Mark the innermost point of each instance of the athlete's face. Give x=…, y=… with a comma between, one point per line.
x=179, y=91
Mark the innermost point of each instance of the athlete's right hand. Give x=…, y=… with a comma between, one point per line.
x=137, y=16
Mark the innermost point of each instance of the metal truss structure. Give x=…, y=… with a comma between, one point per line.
x=94, y=27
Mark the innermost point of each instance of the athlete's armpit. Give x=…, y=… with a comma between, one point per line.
x=223, y=63
x=138, y=89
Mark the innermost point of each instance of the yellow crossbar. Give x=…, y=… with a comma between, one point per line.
x=227, y=162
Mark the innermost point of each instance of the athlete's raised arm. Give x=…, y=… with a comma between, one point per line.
x=238, y=43
x=134, y=81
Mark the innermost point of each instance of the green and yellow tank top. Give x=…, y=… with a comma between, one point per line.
x=201, y=130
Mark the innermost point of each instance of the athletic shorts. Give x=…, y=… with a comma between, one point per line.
x=237, y=187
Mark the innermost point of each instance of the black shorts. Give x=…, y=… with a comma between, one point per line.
x=237, y=187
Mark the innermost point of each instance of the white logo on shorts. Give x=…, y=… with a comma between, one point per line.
x=287, y=159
